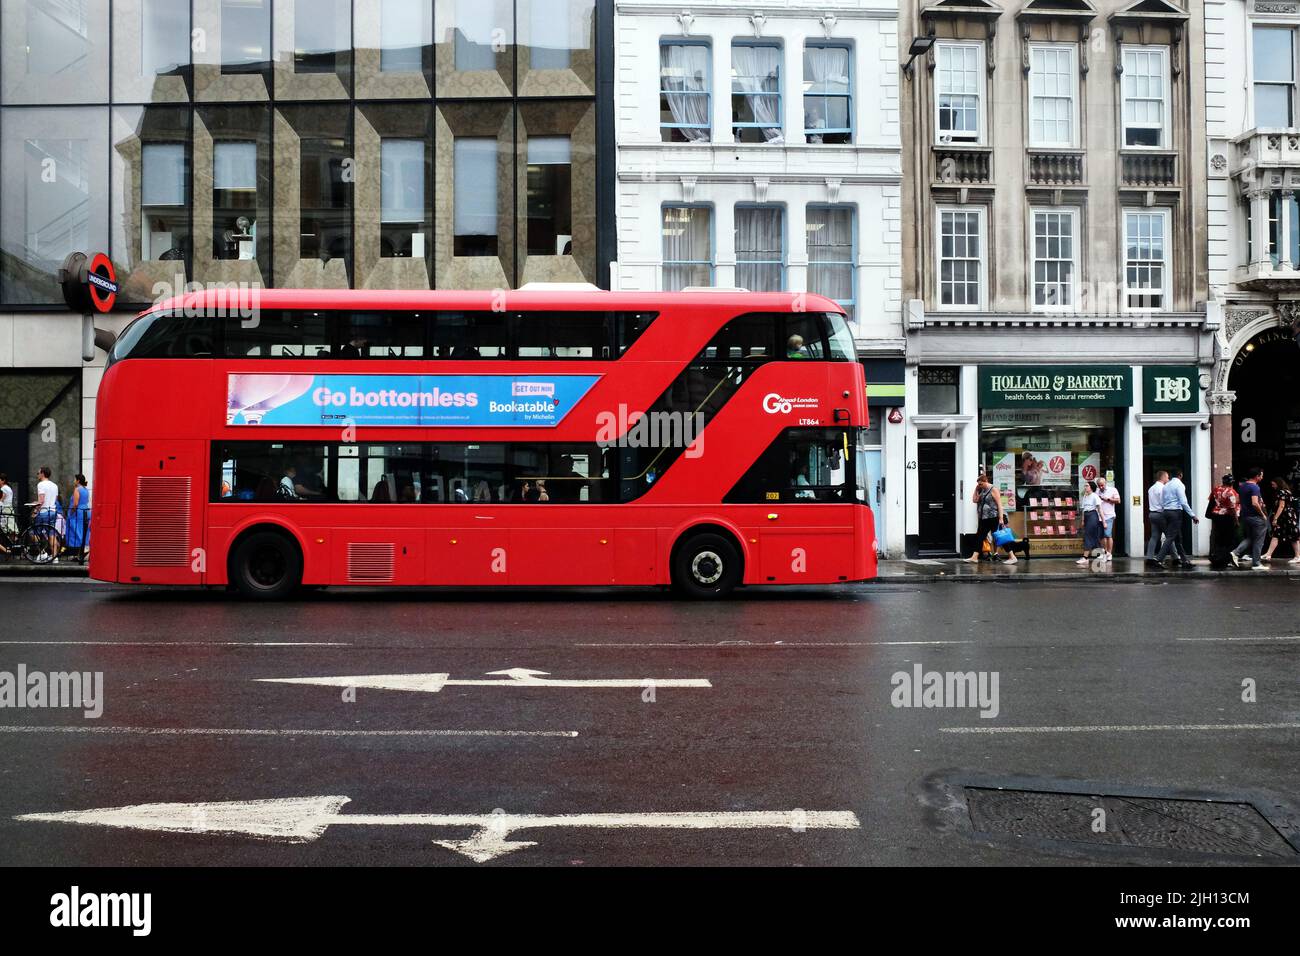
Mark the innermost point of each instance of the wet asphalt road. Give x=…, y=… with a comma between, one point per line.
x=798, y=716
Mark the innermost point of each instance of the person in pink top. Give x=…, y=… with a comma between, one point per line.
x=1109, y=496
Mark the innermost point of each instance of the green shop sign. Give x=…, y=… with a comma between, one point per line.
x=1171, y=388
x=1056, y=386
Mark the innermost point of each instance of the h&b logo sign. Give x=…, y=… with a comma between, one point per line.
x=1170, y=389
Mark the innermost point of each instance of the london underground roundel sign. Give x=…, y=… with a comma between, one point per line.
x=89, y=283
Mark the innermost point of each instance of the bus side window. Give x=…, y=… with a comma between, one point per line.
x=562, y=335
x=280, y=334
x=465, y=335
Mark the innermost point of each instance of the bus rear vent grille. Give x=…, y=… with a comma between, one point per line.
x=370, y=563
x=162, y=523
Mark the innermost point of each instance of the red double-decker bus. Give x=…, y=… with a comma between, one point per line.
x=703, y=440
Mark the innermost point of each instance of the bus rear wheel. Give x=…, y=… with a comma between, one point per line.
x=266, y=566
x=706, y=566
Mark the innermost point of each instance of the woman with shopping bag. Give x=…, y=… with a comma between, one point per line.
x=992, y=517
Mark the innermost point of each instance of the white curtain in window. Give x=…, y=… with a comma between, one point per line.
x=757, y=71
x=830, y=253
x=827, y=68
x=234, y=166
x=684, y=68
x=759, y=256
x=475, y=188
x=686, y=239
x=401, y=180
x=162, y=182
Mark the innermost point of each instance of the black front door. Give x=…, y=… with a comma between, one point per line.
x=1169, y=449
x=937, y=497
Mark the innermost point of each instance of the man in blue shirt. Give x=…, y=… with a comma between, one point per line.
x=1175, y=506
x=1253, y=517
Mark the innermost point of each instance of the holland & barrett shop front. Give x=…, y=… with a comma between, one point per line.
x=1044, y=431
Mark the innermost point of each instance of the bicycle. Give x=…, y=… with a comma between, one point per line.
x=40, y=542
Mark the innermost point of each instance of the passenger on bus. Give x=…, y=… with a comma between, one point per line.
x=794, y=348
x=355, y=348
x=291, y=488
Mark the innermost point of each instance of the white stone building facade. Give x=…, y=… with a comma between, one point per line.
x=1253, y=129
x=758, y=147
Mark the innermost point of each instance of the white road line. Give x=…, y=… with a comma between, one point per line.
x=1294, y=638
x=304, y=819
x=1113, y=728
x=280, y=732
x=178, y=643
x=755, y=644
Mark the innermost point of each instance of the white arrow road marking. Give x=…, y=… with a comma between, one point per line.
x=514, y=677
x=304, y=819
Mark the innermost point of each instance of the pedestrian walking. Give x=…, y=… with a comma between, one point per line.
x=78, y=538
x=1090, y=508
x=1156, y=515
x=1175, y=508
x=1109, y=498
x=1223, y=509
x=8, y=522
x=1286, y=530
x=989, y=511
x=1255, y=518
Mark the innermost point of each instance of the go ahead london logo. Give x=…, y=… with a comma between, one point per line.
x=454, y=401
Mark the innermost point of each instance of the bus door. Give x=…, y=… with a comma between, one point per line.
x=160, y=528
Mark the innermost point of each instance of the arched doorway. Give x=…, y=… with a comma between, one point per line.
x=1265, y=376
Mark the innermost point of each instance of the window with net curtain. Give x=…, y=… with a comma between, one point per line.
x=830, y=254
x=684, y=93
x=827, y=96
x=688, y=247
x=760, y=257
x=756, y=93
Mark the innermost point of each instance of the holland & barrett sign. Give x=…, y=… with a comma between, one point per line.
x=1056, y=386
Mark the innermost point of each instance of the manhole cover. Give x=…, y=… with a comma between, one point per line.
x=1200, y=826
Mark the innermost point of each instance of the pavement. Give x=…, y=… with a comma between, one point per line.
x=432, y=727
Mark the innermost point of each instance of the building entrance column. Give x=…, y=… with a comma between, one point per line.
x=1220, y=404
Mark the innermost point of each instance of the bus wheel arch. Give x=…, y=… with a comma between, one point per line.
x=707, y=561
x=265, y=562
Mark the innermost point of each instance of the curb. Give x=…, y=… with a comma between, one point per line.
x=43, y=571
x=1082, y=577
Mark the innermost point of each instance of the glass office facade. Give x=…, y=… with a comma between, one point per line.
x=300, y=143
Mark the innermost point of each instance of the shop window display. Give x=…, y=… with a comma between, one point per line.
x=1039, y=459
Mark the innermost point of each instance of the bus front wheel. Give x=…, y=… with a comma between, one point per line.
x=706, y=566
x=266, y=566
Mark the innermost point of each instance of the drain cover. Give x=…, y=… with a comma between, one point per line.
x=1200, y=826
